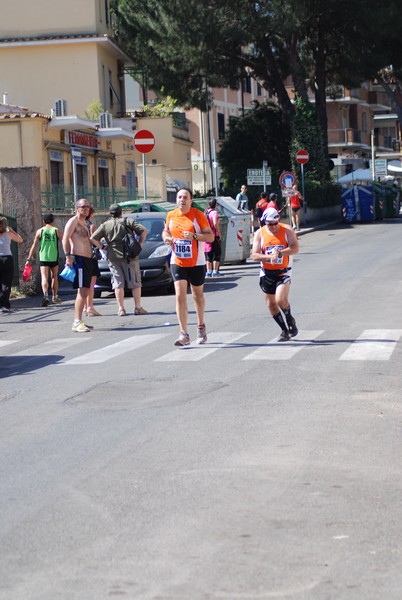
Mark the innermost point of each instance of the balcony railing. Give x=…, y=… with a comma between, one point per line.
x=60, y=198
x=344, y=136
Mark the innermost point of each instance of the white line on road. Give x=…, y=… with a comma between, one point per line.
x=373, y=344
x=50, y=347
x=108, y=352
x=195, y=352
x=275, y=350
x=6, y=342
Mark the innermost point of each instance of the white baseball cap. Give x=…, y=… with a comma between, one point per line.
x=270, y=214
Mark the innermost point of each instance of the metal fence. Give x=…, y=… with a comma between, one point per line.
x=12, y=221
x=60, y=198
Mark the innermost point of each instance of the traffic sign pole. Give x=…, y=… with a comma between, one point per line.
x=302, y=157
x=144, y=142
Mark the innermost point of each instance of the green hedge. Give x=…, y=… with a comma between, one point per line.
x=320, y=194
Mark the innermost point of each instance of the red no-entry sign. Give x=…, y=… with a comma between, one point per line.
x=144, y=141
x=302, y=157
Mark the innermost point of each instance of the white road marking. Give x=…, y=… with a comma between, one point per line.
x=373, y=344
x=7, y=342
x=275, y=350
x=50, y=347
x=107, y=352
x=195, y=352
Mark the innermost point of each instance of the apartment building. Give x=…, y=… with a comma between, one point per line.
x=57, y=60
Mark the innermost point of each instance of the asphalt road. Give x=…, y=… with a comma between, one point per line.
x=239, y=469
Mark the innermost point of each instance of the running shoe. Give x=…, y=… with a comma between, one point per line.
x=140, y=311
x=5, y=310
x=122, y=312
x=80, y=327
x=201, y=334
x=217, y=274
x=183, y=339
x=56, y=300
x=293, y=331
x=208, y=274
x=45, y=301
x=284, y=337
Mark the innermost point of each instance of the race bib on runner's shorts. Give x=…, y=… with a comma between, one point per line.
x=183, y=248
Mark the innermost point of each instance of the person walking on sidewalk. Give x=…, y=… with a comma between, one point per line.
x=295, y=203
x=124, y=274
x=186, y=230
x=274, y=244
x=78, y=250
x=7, y=235
x=47, y=237
x=213, y=252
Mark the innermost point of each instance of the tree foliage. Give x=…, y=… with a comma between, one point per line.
x=263, y=134
x=187, y=48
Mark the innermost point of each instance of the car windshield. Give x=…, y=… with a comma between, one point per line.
x=154, y=228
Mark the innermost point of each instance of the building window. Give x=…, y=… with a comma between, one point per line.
x=259, y=89
x=56, y=168
x=221, y=126
x=130, y=176
x=103, y=173
x=110, y=89
x=364, y=121
x=246, y=85
x=107, y=12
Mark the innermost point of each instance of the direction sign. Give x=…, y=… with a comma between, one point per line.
x=287, y=179
x=75, y=152
x=302, y=157
x=144, y=141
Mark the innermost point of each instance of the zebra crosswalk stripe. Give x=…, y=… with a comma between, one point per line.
x=7, y=342
x=195, y=352
x=373, y=344
x=107, y=352
x=275, y=350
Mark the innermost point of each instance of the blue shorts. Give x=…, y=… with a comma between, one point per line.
x=83, y=272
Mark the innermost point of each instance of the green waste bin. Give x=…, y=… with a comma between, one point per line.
x=391, y=202
x=386, y=201
x=379, y=202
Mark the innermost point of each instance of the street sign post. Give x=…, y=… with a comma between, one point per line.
x=144, y=142
x=256, y=177
x=287, y=179
x=302, y=157
x=75, y=154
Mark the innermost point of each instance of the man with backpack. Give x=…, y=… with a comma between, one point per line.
x=213, y=250
x=125, y=271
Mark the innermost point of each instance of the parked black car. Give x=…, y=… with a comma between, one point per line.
x=154, y=257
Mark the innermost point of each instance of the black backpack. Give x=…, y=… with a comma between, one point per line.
x=131, y=247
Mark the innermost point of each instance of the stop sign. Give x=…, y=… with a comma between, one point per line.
x=144, y=141
x=302, y=157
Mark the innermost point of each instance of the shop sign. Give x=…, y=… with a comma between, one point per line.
x=85, y=140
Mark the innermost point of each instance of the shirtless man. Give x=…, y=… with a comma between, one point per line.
x=78, y=250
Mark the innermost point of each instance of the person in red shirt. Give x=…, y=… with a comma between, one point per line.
x=273, y=245
x=186, y=230
x=295, y=201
